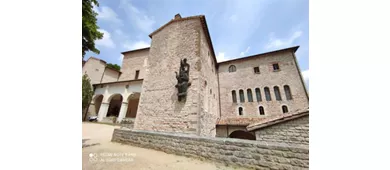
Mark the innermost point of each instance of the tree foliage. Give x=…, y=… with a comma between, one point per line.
x=87, y=91
x=90, y=27
x=114, y=66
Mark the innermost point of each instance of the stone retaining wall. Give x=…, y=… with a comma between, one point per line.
x=237, y=152
x=292, y=132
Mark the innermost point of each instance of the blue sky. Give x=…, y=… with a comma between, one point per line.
x=237, y=27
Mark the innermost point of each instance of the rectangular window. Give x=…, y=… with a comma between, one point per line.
x=275, y=67
x=136, y=74
x=256, y=70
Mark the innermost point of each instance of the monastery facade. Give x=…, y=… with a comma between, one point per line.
x=225, y=99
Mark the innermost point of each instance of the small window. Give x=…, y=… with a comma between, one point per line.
x=234, y=96
x=267, y=94
x=232, y=68
x=96, y=69
x=258, y=94
x=284, y=109
x=242, y=99
x=211, y=91
x=240, y=110
x=136, y=74
x=249, y=93
x=256, y=70
x=276, y=67
x=261, y=110
x=277, y=93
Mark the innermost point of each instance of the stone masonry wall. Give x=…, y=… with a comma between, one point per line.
x=94, y=68
x=244, y=78
x=243, y=153
x=209, y=105
x=293, y=132
x=159, y=108
x=133, y=61
x=110, y=76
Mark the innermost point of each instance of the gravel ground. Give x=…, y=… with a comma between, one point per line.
x=99, y=153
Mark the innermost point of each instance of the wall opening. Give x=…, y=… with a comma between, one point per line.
x=284, y=109
x=277, y=93
x=132, y=105
x=240, y=111
x=249, y=93
x=242, y=99
x=234, y=97
x=240, y=134
x=261, y=110
x=267, y=94
x=287, y=91
x=115, y=105
x=98, y=102
x=258, y=94
x=232, y=68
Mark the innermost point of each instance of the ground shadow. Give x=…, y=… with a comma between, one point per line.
x=88, y=145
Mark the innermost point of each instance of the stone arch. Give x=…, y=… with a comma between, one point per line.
x=97, y=102
x=132, y=105
x=115, y=103
x=240, y=134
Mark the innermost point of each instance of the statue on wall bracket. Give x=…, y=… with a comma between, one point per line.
x=183, y=79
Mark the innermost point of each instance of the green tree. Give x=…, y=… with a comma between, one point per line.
x=87, y=93
x=114, y=66
x=90, y=27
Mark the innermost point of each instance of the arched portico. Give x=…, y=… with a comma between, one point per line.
x=115, y=103
x=129, y=107
x=133, y=100
x=240, y=134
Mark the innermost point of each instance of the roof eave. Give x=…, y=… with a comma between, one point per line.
x=294, y=49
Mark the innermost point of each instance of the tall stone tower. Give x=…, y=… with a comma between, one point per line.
x=159, y=108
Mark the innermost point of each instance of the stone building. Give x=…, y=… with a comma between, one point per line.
x=225, y=99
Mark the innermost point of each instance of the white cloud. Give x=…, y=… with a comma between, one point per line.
x=306, y=76
x=106, y=41
x=233, y=18
x=107, y=14
x=119, y=32
x=278, y=43
x=137, y=17
x=136, y=45
x=242, y=54
x=221, y=57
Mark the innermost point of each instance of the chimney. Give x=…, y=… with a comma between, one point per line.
x=177, y=16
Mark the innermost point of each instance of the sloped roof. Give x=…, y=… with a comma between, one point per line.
x=136, y=50
x=277, y=119
x=294, y=49
x=239, y=121
x=103, y=62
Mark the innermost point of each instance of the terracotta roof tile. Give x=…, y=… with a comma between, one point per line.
x=239, y=121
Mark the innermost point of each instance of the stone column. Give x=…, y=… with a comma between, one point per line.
x=122, y=113
x=103, y=111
